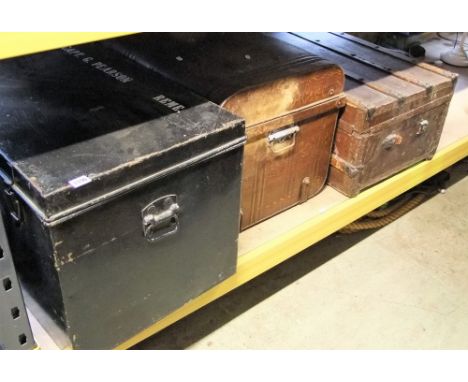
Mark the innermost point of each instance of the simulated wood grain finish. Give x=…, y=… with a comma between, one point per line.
x=280, y=173
x=377, y=156
x=394, y=114
x=283, y=96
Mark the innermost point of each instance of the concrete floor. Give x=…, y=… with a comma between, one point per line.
x=403, y=286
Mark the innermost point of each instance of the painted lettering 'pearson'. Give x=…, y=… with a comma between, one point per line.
x=111, y=72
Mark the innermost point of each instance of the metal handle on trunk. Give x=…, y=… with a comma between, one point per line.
x=160, y=218
x=391, y=140
x=282, y=135
x=423, y=125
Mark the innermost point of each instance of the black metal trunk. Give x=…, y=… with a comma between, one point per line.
x=120, y=190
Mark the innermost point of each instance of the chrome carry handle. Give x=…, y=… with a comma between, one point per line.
x=280, y=136
x=160, y=218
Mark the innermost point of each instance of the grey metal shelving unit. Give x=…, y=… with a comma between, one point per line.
x=15, y=331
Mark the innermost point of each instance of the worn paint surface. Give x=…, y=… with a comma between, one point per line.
x=80, y=121
x=388, y=98
x=85, y=148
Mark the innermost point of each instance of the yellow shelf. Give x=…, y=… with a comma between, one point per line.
x=298, y=236
x=270, y=243
x=14, y=44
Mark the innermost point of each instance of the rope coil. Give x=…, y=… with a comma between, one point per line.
x=393, y=210
x=383, y=216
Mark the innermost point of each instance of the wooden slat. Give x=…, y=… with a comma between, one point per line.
x=376, y=57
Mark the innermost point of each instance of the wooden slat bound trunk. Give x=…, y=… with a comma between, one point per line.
x=395, y=111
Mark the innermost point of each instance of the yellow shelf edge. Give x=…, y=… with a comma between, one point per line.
x=13, y=44
x=283, y=247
